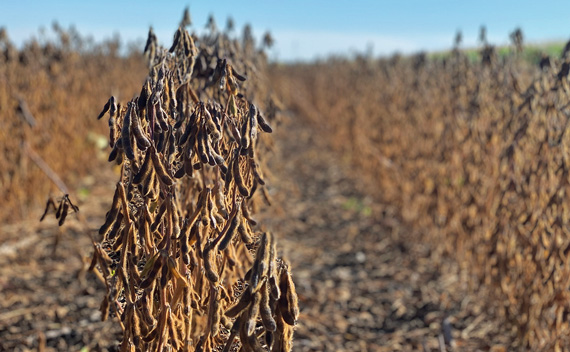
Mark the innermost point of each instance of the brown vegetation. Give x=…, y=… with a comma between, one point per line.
x=49, y=96
x=475, y=157
x=471, y=156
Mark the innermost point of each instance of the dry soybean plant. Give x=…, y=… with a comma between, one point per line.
x=185, y=264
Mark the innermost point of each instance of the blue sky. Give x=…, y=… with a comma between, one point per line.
x=304, y=30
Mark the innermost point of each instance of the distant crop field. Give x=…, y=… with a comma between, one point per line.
x=472, y=146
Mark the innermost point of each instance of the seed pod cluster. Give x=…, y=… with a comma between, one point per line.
x=269, y=295
x=179, y=240
x=61, y=211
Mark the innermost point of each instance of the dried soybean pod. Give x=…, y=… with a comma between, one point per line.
x=263, y=123
x=253, y=123
x=233, y=109
x=187, y=313
x=136, y=324
x=288, y=302
x=191, y=129
x=149, y=265
x=112, y=131
x=159, y=328
x=253, y=189
x=144, y=95
x=265, y=309
x=283, y=338
x=232, y=85
x=177, y=40
x=246, y=133
x=260, y=265
x=164, y=275
x=243, y=302
x=142, y=141
x=204, y=206
x=104, y=308
x=184, y=242
x=115, y=151
x=50, y=204
x=247, y=215
x=252, y=313
x=180, y=172
x=150, y=185
x=156, y=266
x=238, y=178
x=189, y=49
x=160, y=140
x=63, y=213
x=188, y=167
x=59, y=209
x=161, y=116
x=220, y=200
x=167, y=97
x=105, y=109
x=272, y=271
x=173, y=332
x=114, y=228
x=209, y=257
x=232, y=229
x=214, y=311
x=247, y=275
x=160, y=169
x=216, y=112
x=229, y=175
x=182, y=97
x=94, y=259
x=113, y=107
x=175, y=223
x=144, y=170
x=244, y=234
x=274, y=288
x=202, y=202
x=219, y=160
x=145, y=311
x=249, y=342
x=210, y=125
x=256, y=173
x=159, y=216
x=171, y=143
x=201, y=139
x=126, y=135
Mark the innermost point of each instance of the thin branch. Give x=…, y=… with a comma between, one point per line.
x=45, y=167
